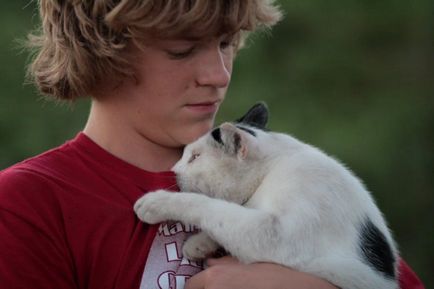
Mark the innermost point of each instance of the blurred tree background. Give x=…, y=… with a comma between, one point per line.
x=355, y=78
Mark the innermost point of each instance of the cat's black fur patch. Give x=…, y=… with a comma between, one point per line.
x=246, y=130
x=376, y=250
x=217, y=136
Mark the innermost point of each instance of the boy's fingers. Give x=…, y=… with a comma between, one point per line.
x=199, y=280
x=196, y=282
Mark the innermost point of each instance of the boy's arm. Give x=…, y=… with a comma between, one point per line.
x=225, y=272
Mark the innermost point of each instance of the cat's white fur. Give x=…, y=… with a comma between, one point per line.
x=273, y=198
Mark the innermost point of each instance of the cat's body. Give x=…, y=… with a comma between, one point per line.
x=265, y=196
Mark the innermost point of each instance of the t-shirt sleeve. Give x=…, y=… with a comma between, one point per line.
x=407, y=278
x=32, y=252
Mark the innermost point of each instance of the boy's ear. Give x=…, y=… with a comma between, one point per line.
x=257, y=116
x=232, y=140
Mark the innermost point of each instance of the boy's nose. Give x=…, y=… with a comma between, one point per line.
x=214, y=70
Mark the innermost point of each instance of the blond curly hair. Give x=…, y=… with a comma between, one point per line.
x=82, y=42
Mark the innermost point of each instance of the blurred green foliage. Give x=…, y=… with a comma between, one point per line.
x=355, y=78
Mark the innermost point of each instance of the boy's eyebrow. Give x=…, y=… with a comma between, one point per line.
x=184, y=38
x=192, y=38
x=197, y=38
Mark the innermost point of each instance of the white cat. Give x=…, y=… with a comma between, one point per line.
x=267, y=197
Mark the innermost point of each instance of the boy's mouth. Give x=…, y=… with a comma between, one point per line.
x=204, y=107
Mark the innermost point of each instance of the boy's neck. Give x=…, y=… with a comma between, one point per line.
x=122, y=141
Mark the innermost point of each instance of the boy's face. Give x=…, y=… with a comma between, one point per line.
x=180, y=86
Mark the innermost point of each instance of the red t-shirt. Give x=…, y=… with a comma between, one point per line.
x=66, y=221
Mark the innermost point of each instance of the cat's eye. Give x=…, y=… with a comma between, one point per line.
x=193, y=157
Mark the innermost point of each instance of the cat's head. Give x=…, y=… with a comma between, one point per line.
x=224, y=163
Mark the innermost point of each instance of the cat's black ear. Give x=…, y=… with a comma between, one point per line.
x=257, y=116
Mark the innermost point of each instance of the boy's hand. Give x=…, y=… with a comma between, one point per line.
x=228, y=273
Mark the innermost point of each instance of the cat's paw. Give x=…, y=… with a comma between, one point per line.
x=199, y=246
x=152, y=208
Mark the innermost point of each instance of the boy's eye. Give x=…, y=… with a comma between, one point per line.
x=180, y=54
x=193, y=157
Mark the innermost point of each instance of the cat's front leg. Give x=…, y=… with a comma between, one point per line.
x=199, y=246
x=162, y=205
x=153, y=207
x=229, y=224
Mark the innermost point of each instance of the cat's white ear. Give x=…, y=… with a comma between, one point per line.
x=232, y=140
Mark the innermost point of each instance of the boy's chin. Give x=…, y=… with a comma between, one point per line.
x=197, y=132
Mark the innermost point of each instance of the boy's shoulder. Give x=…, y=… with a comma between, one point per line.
x=35, y=167
x=36, y=193
x=35, y=177
x=77, y=171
